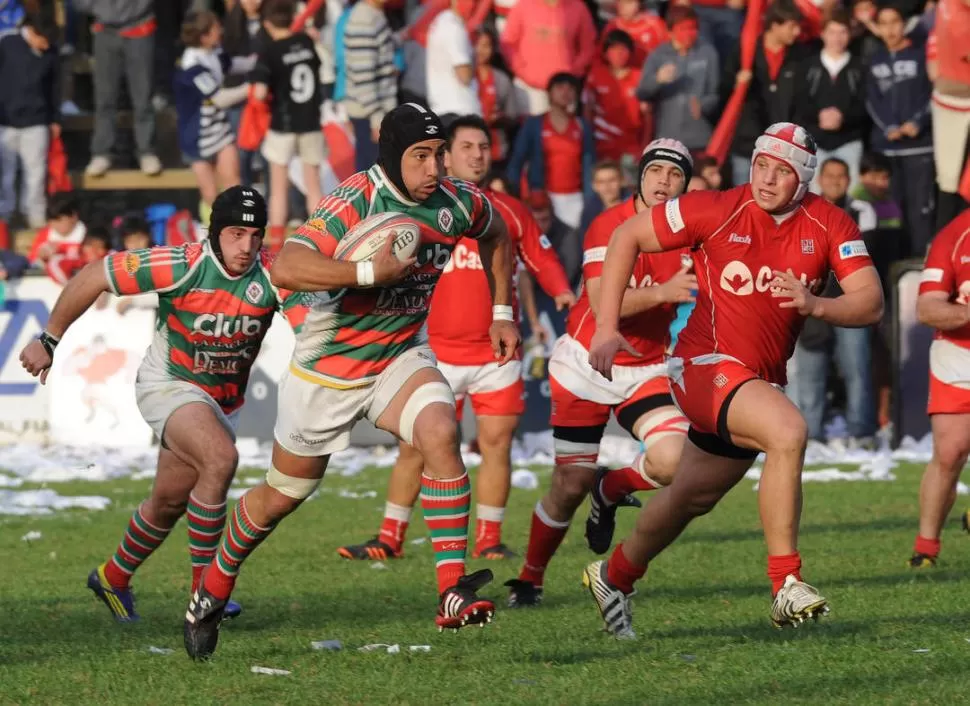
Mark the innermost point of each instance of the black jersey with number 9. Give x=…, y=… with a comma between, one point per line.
x=291, y=69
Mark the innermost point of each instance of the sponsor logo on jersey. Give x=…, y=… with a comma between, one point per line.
x=743, y=239
x=720, y=380
x=544, y=242
x=132, y=263
x=674, y=218
x=438, y=255
x=964, y=259
x=853, y=248
x=737, y=279
x=317, y=224
x=445, y=219
x=808, y=246
x=464, y=258
x=222, y=326
x=254, y=292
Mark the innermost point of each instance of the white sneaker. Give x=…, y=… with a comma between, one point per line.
x=614, y=605
x=98, y=166
x=796, y=602
x=150, y=165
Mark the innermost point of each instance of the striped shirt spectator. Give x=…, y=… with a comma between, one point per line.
x=370, y=88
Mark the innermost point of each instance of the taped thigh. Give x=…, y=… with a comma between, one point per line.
x=662, y=424
x=296, y=488
x=427, y=394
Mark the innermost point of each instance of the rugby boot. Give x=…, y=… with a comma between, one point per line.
x=371, y=550
x=523, y=594
x=601, y=521
x=460, y=605
x=120, y=601
x=796, y=602
x=614, y=605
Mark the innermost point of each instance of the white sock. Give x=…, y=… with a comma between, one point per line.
x=489, y=513
x=397, y=512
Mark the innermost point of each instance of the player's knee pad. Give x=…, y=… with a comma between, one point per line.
x=291, y=487
x=426, y=394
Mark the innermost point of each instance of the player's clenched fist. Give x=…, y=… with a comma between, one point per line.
x=388, y=269
x=36, y=359
x=505, y=339
x=680, y=288
x=786, y=285
x=603, y=349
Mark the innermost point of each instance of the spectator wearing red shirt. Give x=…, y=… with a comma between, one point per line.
x=646, y=29
x=610, y=101
x=950, y=72
x=96, y=245
x=556, y=151
x=63, y=233
x=681, y=79
x=543, y=38
x=496, y=94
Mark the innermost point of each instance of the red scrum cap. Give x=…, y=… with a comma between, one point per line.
x=793, y=145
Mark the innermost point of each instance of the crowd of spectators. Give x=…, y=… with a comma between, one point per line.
x=571, y=90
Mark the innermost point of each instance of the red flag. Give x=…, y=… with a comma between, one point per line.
x=57, y=177
x=723, y=135
x=253, y=123
x=311, y=9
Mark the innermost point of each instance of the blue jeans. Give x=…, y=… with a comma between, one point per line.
x=720, y=27
x=853, y=354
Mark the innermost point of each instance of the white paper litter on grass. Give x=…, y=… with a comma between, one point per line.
x=532, y=456
x=420, y=648
x=44, y=502
x=160, y=650
x=380, y=647
x=327, y=645
x=524, y=479
x=31, y=536
x=416, y=540
x=378, y=565
x=270, y=671
x=354, y=495
x=921, y=651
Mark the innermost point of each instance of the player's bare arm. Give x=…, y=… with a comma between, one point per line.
x=861, y=303
x=935, y=309
x=302, y=269
x=78, y=296
x=679, y=289
x=495, y=249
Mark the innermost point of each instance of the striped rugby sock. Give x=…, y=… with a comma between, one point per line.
x=238, y=542
x=206, y=523
x=140, y=540
x=445, y=504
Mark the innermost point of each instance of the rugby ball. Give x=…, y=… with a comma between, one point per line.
x=367, y=237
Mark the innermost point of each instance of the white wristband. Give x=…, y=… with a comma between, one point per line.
x=365, y=274
x=502, y=312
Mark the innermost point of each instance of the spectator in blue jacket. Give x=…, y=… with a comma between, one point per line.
x=556, y=150
x=898, y=93
x=29, y=116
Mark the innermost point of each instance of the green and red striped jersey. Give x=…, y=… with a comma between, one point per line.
x=210, y=323
x=349, y=336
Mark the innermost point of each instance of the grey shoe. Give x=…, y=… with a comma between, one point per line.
x=98, y=166
x=150, y=165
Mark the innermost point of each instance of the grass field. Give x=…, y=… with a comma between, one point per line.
x=894, y=637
